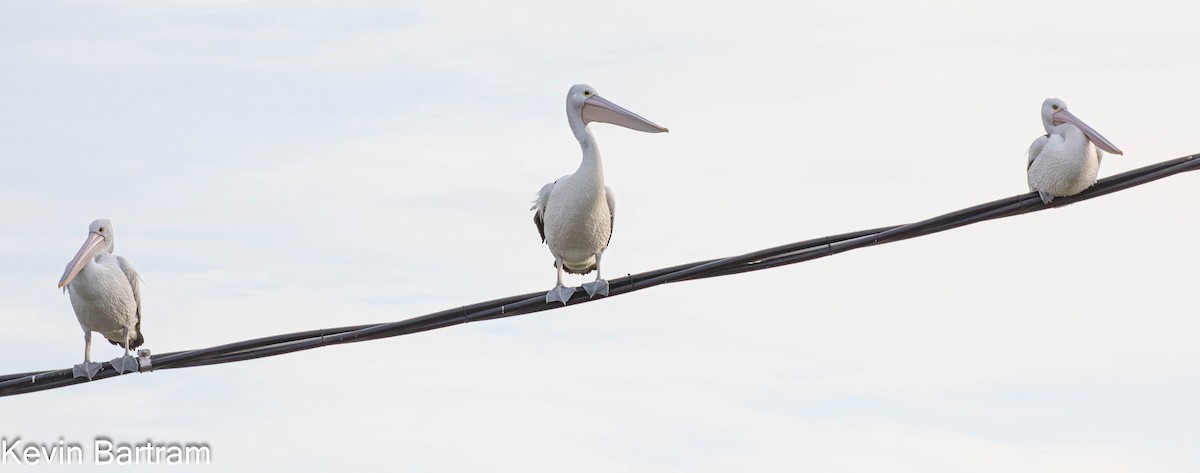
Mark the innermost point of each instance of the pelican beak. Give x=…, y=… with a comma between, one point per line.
x=1063, y=116
x=597, y=109
x=86, y=252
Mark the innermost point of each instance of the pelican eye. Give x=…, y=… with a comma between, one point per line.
x=1054, y=107
x=587, y=93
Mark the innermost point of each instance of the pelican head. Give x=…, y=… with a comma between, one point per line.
x=99, y=239
x=585, y=105
x=1054, y=113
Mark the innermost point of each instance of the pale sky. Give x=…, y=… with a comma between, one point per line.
x=275, y=166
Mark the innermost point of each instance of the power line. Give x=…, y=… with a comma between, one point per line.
x=21, y=383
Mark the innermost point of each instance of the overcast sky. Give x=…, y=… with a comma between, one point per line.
x=275, y=166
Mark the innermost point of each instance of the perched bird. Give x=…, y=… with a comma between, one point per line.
x=574, y=215
x=1063, y=162
x=107, y=297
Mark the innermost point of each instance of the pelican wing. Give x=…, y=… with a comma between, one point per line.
x=612, y=212
x=539, y=206
x=1036, y=148
x=135, y=282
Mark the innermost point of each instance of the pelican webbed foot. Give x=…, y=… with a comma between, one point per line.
x=560, y=293
x=86, y=369
x=125, y=364
x=598, y=286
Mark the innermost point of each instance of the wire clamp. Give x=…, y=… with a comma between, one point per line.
x=144, y=363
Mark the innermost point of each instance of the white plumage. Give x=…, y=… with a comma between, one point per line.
x=574, y=215
x=579, y=226
x=106, y=294
x=1064, y=161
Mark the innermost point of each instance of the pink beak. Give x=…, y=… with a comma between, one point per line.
x=1063, y=116
x=597, y=109
x=87, y=252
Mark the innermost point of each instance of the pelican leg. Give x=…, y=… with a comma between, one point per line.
x=560, y=293
x=87, y=369
x=125, y=364
x=599, y=286
x=1046, y=197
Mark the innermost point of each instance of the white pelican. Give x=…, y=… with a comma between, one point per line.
x=574, y=215
x=107, y=297
x=1063, y=162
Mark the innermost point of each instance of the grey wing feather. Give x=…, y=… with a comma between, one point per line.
x=1036, y=148
x=539, y=205
x=612, y=212
x=135, y=282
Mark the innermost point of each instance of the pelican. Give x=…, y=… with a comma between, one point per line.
x=574, y=215
x=1064, y=162
x=107, y=297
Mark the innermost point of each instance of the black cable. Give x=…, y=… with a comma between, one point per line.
x=20, y=383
